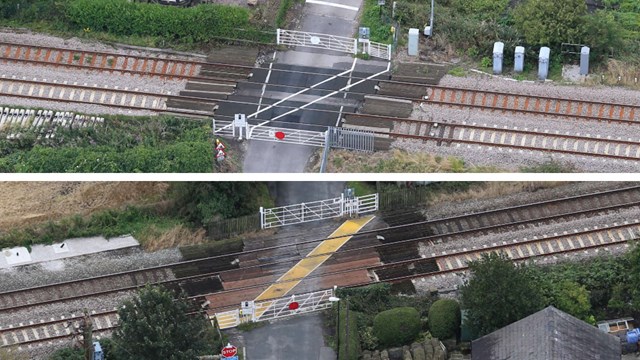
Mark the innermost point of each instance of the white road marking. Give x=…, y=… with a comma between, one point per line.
x=318, y=2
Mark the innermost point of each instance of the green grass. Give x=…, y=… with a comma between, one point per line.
x=380, y=30
x=122, y=144
x=109, y=223
x=458, y=71
x=362, y=188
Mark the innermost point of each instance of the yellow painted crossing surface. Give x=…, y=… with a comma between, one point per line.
x=314, y=259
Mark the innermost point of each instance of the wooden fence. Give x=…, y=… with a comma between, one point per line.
x=402, y=198
x=222, y=229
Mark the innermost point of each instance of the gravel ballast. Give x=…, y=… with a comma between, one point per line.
x=81, y=267
x=510, y=159
x=101, y=79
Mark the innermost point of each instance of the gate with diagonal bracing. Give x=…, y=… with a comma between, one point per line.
x=351, y=139
x=275, y=309
x=317, y=41
x=317, y=210
x=286, y=135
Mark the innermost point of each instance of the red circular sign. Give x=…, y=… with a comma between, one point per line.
x=279, y=135
x=293, y=305
x=229, y=351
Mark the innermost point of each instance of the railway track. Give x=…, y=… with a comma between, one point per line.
x=436, y=231
x=517, y=103
x=55, y=331
x=501, y=137
x=129, y=99
x=578, y=240
x=166, y=67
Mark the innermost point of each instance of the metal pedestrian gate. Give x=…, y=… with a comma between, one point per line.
x=274, y=309
x=351, y=139
x=317, y=210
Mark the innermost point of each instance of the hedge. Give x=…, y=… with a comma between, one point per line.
x=444, y=318
x=352, y=337
x=397, y=326
x=188, y=25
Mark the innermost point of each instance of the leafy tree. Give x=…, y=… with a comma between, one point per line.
x=634, y=276
x=201, y=202
x=482, y=9
x=573, y=299
x=155, y=326
x=444, y=318
x=498, y=293
x=550, y=22
x=67, y=354
x=603, y=34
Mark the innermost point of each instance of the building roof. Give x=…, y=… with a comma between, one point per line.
x=549, y=334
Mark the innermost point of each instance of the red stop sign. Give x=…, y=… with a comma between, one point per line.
x=229, y=351
x=280, y=135
x=293, y=305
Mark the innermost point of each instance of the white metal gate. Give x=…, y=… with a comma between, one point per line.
x=382, y=51
x=227, y=128
x=317, y=40
x=317, y=210
x=276, y=308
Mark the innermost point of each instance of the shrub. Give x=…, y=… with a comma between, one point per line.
x=396, y=326
x=444, y=318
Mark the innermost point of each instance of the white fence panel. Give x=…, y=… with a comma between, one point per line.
x=317, y=40
x=291, y=136
x=317, y=210
x=382, y=51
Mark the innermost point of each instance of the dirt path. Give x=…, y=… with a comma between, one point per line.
x=24, y=203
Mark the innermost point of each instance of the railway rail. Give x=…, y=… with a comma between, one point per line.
x=437, y=231
x=167, y=67
x=509, y=102
x=53, y=331
x=130, y=99
x=447, y=134
x=433, y=231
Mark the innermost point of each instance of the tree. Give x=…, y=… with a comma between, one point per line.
x=201, y=202
x=155, y=326
x=634, y=276
x=551, y=22
x=444, y=318
x=573, y=299
x=498, y=293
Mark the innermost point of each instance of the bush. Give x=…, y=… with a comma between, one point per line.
x=397, y=326
x=444, y=318
x=348, y=333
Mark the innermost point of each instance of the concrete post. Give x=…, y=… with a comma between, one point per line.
x=498, y=49
x=584, y=60
x=543, y=63
x=518, y=65
x=413, y=42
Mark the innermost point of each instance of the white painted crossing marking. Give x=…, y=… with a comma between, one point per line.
x=341, y=6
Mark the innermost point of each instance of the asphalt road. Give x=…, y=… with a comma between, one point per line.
x=299, y=337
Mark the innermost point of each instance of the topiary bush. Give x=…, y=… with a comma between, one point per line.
x=444, y=318
x=397, y=326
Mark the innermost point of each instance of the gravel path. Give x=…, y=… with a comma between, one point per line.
x=84, y=266
x=512, y=160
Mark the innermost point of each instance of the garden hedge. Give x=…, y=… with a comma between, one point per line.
x=444, y=318
x=397, y=326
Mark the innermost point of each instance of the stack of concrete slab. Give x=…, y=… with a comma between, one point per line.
x=385, y=106
x=421, y=73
